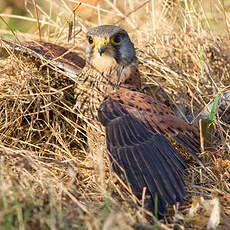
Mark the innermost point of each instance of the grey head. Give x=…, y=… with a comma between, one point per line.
x=109, y=42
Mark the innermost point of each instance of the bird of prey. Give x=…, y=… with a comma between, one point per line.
x=137, y=126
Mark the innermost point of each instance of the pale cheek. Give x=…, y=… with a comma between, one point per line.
x=88, y=52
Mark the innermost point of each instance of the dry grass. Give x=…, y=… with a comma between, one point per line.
x=49, y=179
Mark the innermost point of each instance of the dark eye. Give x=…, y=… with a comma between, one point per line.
x=90, y=40
x=116, y=39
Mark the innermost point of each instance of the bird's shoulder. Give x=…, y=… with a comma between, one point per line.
x=151, y=113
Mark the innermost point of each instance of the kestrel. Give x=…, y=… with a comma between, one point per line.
x=137, y=126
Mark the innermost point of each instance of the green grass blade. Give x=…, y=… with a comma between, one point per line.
x=213, y=110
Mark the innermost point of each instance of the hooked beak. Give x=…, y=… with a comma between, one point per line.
x=101, y=46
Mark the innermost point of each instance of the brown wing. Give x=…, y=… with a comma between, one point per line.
x=57, y=57
x=135, y=134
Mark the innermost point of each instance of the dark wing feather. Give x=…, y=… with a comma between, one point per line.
x=158, y=117
x=146, y=156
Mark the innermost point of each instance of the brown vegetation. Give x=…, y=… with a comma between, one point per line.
x=49, y=179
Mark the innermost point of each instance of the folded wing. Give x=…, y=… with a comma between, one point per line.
x=136, y=139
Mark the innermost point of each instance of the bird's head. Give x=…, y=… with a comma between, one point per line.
x=109, y=45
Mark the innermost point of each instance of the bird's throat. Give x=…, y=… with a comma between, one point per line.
x=104, y=62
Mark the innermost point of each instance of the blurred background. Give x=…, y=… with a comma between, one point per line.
x=151, y=15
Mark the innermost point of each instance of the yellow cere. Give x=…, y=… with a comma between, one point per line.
x=101, y=42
